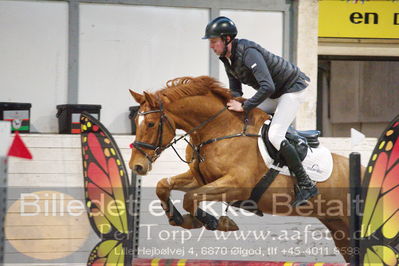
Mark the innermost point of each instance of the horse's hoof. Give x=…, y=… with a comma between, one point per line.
x=176, y=220
x=190, y=222
x=174, y=215
x=173, y=222
x=226, y=224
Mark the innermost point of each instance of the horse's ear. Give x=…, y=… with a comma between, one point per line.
x=150, y=99
x=137, y=97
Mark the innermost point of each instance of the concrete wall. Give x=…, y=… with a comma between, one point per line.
x=33, y=58
x=120, y=47
x=139, y=48
x=306, y=59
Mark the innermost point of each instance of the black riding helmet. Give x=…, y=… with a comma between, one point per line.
x=220, y=27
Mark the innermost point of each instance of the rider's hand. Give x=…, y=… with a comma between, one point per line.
x=234, y=105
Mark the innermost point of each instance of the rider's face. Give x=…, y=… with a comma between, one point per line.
x=217, y=45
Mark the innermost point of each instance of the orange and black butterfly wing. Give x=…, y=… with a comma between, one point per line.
x=110, y=252
x=107, y=193
x=380, y=222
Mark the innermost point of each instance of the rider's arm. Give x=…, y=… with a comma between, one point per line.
x=234, y=85
x=254, y=60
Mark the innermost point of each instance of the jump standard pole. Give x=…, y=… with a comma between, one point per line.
x=355, y=193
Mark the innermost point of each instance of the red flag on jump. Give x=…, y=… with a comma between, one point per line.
x=18, y=148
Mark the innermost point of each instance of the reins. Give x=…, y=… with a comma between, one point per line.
x=242, y=134
x=159, y=148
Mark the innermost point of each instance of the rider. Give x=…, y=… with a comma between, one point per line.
x=280, y=89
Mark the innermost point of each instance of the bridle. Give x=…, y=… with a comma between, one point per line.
x=158, y=148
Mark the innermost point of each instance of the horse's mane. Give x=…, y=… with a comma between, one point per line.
x=188, y=86
x=179, y=88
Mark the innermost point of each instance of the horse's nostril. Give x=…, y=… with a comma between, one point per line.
x=138, y=168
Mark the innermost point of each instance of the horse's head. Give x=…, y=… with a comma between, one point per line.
x=154, y=131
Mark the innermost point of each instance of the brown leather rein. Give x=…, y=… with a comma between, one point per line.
x=159, y=148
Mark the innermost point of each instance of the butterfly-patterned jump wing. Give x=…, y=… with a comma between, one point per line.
x=379, y=234
x=107, y=193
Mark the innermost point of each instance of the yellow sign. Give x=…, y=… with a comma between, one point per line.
x=371, y=19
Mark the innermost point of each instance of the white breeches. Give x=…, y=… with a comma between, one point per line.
x=285, y=109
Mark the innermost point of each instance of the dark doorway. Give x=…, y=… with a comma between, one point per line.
x=356, y=92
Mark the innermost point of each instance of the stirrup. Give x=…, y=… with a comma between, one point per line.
x=302, y=195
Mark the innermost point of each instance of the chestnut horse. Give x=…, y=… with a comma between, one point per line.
x=226, y=169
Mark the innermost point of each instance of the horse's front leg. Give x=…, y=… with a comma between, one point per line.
x=226, y=188
x=182, y=182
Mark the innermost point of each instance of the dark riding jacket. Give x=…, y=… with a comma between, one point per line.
x=269, y=74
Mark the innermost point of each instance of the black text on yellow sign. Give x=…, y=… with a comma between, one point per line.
x=369, y=20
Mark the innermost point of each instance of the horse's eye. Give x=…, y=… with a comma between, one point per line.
x=151, y=124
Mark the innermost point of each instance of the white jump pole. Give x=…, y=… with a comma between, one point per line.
x=5, y=141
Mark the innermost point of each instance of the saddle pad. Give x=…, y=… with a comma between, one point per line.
x=318, y=162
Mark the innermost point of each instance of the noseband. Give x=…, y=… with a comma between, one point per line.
x=158, y=148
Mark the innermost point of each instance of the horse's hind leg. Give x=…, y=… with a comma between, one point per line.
x=223, y=189
x=182, y=182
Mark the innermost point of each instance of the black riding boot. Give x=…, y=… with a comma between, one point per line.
x=306, y=188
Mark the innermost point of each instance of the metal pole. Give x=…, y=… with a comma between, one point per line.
x=355, y=192
x=3, y=203
x=73, y=52
x=5, y=134
x=136, y=192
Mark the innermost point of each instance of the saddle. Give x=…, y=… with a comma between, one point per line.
x=301, y=140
